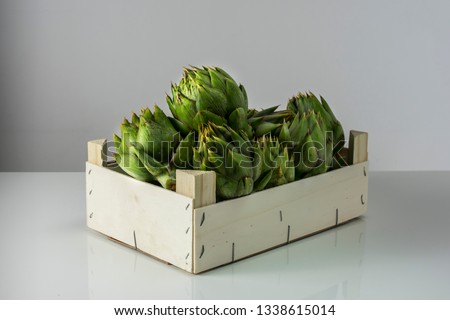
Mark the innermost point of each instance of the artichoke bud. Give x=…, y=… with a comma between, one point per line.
x=306, y=102
x=158, y=139
x=205, y=89
x=225, y=152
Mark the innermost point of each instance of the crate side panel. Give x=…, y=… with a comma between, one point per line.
x=335, y=203
x=147, y=217
x=235, y=229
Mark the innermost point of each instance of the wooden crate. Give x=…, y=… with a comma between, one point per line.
x=188, y=229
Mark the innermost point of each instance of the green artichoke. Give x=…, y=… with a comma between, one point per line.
x=307, y=129
x=228, y=153
x=314, y=154
x=151, y=149
x=205, y=94
x=242, y=165
x=273, y=166
x=249, y=150
x=305, y=102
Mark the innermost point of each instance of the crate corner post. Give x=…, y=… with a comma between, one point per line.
x=97, y=152
x=197, y=184
x=201, y=187
x=358, y=142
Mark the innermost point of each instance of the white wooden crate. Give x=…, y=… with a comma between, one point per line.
x=189, y=230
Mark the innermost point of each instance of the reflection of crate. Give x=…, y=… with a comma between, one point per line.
x=189, y=230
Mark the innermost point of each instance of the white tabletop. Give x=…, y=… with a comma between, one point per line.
x=399, y=249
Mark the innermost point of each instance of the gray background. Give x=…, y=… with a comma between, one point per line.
x=70, y=70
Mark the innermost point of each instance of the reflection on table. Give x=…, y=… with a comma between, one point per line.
x=327, y=265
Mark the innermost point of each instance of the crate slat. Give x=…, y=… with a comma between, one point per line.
x=238, y=228
x=141, y=215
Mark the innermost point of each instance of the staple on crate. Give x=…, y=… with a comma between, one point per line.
x=203, y=219
x=337, y=216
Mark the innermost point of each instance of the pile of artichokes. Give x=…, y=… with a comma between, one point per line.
x=212, y=128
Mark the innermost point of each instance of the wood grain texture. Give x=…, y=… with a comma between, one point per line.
x=142, y=215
